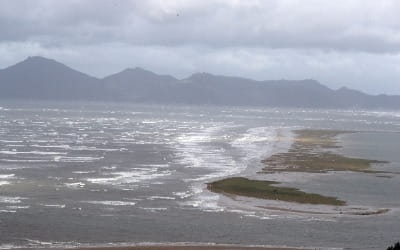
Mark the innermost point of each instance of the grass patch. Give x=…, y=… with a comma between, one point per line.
x=310, y=152
x=265, y=190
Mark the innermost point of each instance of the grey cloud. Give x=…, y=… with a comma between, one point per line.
x=356, y=25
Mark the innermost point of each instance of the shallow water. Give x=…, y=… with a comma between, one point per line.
x=100, y=174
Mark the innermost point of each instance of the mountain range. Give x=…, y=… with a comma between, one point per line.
x=39, y=78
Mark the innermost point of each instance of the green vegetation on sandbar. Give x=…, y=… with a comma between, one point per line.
x=265, y=190
x=310, y=153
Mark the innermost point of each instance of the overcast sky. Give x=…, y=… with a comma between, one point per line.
x=353, y=43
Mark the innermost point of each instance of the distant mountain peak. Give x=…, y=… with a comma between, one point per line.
x=39, y=65
x=201, y=74
x=137, y=70
x=138, y=74
x=39, y=59
x=39, y=78
x=140, y=69
x=36, y=62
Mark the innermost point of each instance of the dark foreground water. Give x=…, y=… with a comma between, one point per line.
x=100, y=174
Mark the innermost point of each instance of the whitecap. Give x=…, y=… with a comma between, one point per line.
x=11, y=200
x=112, y=203
x=155, y=197
x=127, y=177
x=18, y=207
x=83, y=172
x=23, y=160
x=76, y=158
x=8, y=246
x=7, y=211
x=54, y=205
x=6, y=176
x=154, y=209
x=12, y=152
x=75, y=185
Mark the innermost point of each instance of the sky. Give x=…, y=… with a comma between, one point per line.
x=352, y=43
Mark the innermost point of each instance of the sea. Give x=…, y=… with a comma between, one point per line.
x=101, y=174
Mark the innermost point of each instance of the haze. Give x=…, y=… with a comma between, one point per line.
x=339, y=43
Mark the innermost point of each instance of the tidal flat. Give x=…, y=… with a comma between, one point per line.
x=312, y=151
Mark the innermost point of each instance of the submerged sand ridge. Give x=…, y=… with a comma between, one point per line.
x=312, y=152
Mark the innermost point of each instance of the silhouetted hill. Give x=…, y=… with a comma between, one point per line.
x=139, y=85
x=40, y=78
